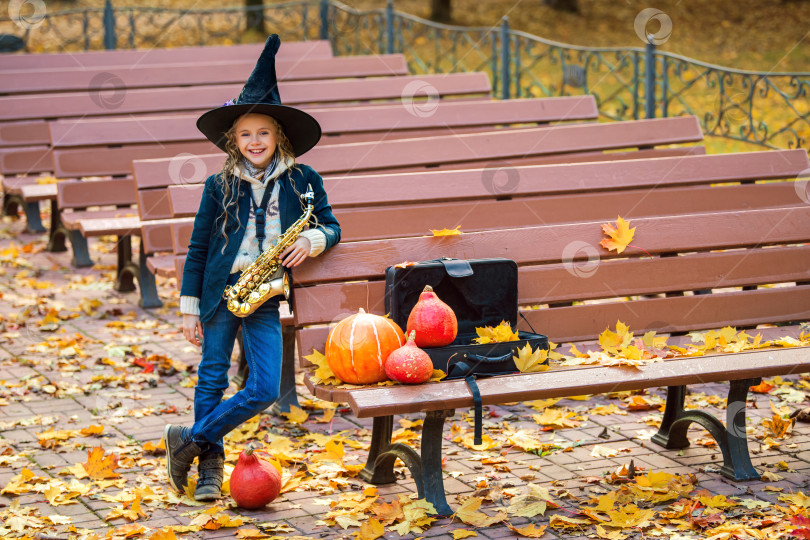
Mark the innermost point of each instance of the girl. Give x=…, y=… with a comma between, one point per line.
x=244, y=208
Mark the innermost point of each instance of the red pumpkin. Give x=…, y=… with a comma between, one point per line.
x=409, y=364
x=254, y=482
x=358, y=345
x=434, y=321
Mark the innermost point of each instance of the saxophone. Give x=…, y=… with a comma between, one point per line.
x=266, y=277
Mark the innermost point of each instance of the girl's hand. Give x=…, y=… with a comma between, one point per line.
x=192, y=327
x=296, y=253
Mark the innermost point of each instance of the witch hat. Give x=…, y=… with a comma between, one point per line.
x=260, y=95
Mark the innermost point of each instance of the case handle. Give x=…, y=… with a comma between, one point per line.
x=489, y=359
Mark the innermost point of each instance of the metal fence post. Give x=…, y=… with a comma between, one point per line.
x=109, y=26
x=389, y=27
x=649, y=82
x=325, y=19
x=505, y=79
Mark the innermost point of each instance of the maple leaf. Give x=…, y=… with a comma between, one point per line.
x=778, y=427
x=529, y=531
x=556, y=419
x=469, y=514
x=495, y=334
x=618, y=237
x=446, y=232
x=761, y=388
x=529, y=361
x=323, y=373
x=612, y=342
x=564, y=522
x=99, y=466
x=370, y=530
x=629, y=516
x=532, y=504
x=462, y=533
x=297, y=415
x=798, y=499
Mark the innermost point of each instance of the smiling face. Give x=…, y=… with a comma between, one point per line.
x=256, y=138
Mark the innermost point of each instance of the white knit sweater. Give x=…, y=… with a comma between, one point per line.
x=249, y=248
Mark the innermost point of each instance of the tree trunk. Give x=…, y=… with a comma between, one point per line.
x=440, y=11
x=255, y=18
x=571, y=6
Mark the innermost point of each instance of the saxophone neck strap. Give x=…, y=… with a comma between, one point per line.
x=261, y=213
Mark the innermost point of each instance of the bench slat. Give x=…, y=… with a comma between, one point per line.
x=26, y=160
x=201, y=98
x=123, y=226
x=402, y=399
x=381, y=119
x=532, y=245
x=555, y=283
x=462, y=150
x=30, y=132
x=133, y=76
x=84, y=193
x=92, y=59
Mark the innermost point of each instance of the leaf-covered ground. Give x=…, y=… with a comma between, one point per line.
x=88, y=380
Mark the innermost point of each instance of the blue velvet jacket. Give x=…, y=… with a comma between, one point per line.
x=209, y=259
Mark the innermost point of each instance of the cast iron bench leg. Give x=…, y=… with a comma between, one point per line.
x=426, y=469
x=81, y=254
x=57, y=234
x=33, y=218
x=287, y=396
x=126, y=269
x=731, y=438
x=146, y=281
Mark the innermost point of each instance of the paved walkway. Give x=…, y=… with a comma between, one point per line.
x=83, y=367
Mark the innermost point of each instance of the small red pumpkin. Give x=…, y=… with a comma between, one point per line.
x=254, y=482
x=434, y=321
x=358, y=345
x=409, y=364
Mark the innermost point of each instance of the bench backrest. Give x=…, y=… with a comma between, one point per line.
x=199, y=98
x=146, y=57
x=84, y=147
x=135, y=76
x=410, y=204
x=555, y=144
x=562, y=263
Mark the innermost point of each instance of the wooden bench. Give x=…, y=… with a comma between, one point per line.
x=152, y=202
x=402, y=205
x=740, y=249
x=146, y=57
x=559, y=144
x=24, y=120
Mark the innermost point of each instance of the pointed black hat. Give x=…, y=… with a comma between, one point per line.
x=260, y=96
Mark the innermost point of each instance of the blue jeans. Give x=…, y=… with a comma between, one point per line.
x=261, y=337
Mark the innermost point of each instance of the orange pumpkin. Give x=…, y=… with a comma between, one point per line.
x=358, y=346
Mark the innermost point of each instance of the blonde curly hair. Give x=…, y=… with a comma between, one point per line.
x=229, y=182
